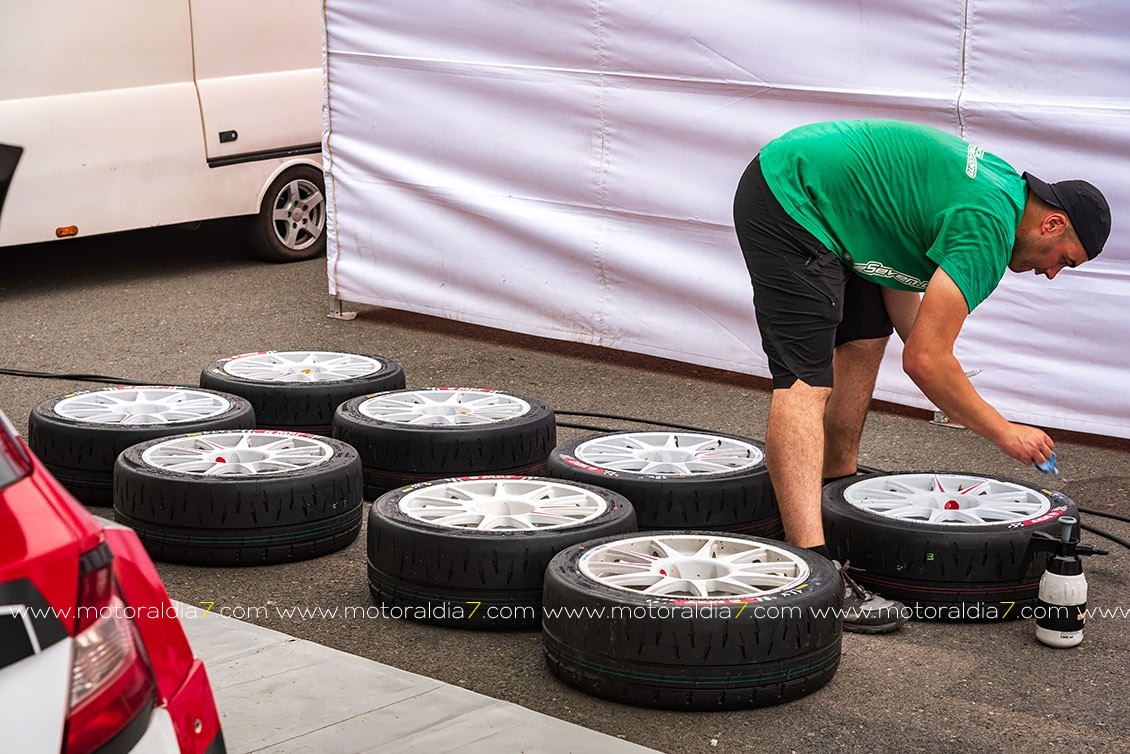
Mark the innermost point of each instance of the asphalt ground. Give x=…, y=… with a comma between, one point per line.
x=158, y=305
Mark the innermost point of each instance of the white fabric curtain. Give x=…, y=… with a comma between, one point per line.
x=567, y=169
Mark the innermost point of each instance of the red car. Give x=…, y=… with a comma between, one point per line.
x=92, y=655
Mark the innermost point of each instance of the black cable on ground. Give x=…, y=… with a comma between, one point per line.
x=634, y=419
x=1115, y=516
x=1107, y=535
x=75, y=377
x=586, y=426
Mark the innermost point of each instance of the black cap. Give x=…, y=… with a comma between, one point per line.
x=1085, y=206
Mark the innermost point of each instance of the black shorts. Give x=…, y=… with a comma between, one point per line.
x=807, y=301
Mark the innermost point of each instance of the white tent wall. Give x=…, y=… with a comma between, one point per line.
x=567, y=169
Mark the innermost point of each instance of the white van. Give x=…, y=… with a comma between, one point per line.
x=134, y=113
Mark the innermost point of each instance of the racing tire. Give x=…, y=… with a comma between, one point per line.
x=680, y=650
x=299, y=391
x=729, y=494
x=240, y=498
x=976, y=562
x=78, y=436
x=486, y=570
x=401, y=443
x=291, y=224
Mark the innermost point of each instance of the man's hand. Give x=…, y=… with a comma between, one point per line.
x=1026, y=444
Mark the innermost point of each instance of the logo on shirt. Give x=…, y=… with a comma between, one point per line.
x=973, y=154
x=880, y=270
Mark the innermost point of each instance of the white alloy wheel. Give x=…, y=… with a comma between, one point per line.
x=502, y=504
x=444, y=407
x=250, y=453
x=230, y=498
x=301, y=366
x=300, y=390
x=949, y=499
x=678, y=480
x=950, y=545
x=694, y=566
x=406, y=437
x=142, y=405
x=677, y=453
x=698, y=621
x=472, y=551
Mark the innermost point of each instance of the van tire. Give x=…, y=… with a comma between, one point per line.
x=307, y=185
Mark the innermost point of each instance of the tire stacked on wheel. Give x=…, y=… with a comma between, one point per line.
x=299, y=391
x=678, y=480
x=692, y=620
x=472, y=552
x=234, y=498
x=948, y=545
x=410, y=436
x=78, y=436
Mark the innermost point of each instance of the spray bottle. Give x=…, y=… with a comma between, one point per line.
x=1062, y=602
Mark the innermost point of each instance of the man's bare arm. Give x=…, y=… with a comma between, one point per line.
x=928, y=360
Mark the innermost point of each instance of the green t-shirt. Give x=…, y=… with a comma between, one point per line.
x=898, y=200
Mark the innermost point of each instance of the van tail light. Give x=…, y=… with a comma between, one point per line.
x=15, y=460
x=112, y=686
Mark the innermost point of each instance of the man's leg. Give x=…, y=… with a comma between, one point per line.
x=794, y=444
x=856, y=365
x=798, y=286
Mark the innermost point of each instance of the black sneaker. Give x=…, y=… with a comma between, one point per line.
x=866, y=612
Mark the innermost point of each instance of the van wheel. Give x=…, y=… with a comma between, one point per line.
x=291, y=224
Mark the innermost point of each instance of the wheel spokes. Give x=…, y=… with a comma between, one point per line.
x=443, y=407
x=238, y=453
x=668, y=453
x=949, y=499
x=140, y=406
x=301, y=366
x=503, y=504
x=693, y=566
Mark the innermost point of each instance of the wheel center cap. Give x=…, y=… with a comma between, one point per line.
x=442, y=410
x=504, y=508
x=695, y=569
x=239, y=456
x=667, y=455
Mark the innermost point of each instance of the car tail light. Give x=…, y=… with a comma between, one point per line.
x=15, y=461
x=95, y=586
x=112, y=684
